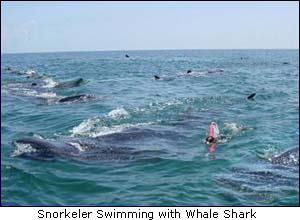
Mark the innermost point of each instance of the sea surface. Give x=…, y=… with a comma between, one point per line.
x=172, y=117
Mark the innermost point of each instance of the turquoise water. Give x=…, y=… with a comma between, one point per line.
x=177, y=109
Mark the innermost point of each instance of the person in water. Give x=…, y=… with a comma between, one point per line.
x=212, y=139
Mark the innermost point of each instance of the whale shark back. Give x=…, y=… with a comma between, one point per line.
x=70, y=83
x=289, y=157
x=82, y=149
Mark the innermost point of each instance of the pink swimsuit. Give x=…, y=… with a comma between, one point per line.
x=212, y=148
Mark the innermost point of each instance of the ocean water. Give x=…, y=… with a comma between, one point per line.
x=169, y=117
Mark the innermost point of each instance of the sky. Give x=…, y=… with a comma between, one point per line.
x=97, y=26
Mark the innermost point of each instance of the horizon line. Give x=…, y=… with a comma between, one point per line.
x=124, y=50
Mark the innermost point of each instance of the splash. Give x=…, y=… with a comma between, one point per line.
x=93, y=128
x=234, y=127
x=22, y=149
x=85, y=127
x=118, y=113
x=50, y=83
x=45, y=95
x=30, y=72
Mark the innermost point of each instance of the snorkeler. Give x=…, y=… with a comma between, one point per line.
x=212, y=139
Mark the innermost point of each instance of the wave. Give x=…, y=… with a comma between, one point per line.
x=118, y=113
x=159, y=106
x=93, y=127
x=45, y=95
x=234, y=128
x=49, y=83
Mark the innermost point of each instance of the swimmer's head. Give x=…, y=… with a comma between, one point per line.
x=209, y=140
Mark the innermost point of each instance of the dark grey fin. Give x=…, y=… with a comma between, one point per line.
x=251, y=96
x=73, y=98
x=70, y=83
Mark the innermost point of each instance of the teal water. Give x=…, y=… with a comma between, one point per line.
x=179, y=108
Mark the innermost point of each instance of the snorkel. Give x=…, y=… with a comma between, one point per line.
x=212, y=129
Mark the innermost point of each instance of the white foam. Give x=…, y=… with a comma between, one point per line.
x=85, y=127
x=162, y=106
x=234, y=127
x=30, y=92
x=77, y=146
x=45, y=95
x=92, y=128
x=15, y=87
x=118, y=113
x=30, y=72
x=223, y=139
x=293, y=158
x=23, y=148
x=49, y=82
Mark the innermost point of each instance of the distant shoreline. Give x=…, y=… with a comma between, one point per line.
x=96, y=51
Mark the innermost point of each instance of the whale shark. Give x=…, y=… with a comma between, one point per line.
x=124, y=145
x=260, y=178
x=80, y=149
